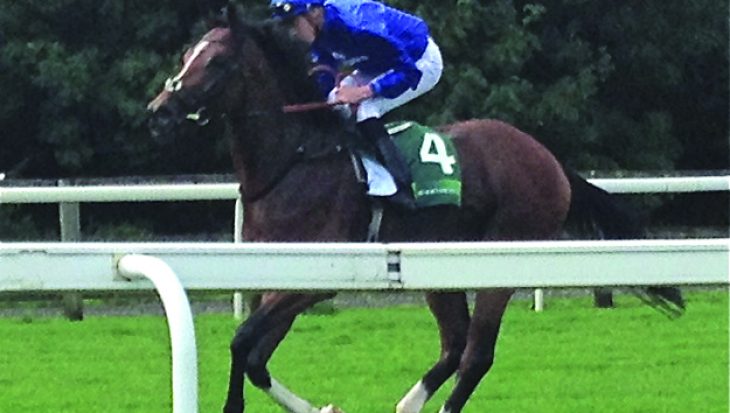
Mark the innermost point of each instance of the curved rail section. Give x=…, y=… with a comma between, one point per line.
x=179, y=322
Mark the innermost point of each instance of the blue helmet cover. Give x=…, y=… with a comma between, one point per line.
x=291, y=8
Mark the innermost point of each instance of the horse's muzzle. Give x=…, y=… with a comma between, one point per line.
x=163, y=123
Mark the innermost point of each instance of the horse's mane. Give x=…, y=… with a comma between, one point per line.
x=288, y=59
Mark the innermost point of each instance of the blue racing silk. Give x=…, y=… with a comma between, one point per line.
x=373, y=38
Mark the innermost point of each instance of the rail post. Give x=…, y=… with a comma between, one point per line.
x=69, y=217
x=238, y=238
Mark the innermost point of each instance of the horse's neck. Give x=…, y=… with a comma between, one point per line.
x=262, y=151
x=270, y=142
x=264, y=142
x=293, y=197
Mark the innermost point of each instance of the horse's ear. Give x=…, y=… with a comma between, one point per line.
x=214, y=12
x=234, y=22
x=231, y=12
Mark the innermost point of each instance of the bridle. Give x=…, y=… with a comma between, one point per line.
x=185, y=104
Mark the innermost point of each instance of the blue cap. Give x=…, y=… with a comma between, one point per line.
x=292, y=8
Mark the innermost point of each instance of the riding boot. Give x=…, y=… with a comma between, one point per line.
x=388, y=153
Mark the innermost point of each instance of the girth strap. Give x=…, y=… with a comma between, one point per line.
x=376, y=219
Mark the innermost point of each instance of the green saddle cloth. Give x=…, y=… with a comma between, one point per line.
x=433, y=161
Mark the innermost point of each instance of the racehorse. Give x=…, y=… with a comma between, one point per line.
x=298, y=183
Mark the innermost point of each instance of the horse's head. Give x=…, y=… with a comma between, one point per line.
x=250, y=72
x=192, y=95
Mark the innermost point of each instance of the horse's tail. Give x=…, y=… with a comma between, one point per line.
x=596, y=214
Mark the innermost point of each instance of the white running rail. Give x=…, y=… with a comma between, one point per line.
x=309, y=267
x=663, y=184
x=229, y=191
x=24, y=267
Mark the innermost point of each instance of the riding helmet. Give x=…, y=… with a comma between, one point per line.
x=292, y=8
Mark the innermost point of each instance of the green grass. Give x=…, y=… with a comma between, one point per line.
x=571, y=358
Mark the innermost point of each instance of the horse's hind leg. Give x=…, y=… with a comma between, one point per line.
x=481, y=340
x=452, y=314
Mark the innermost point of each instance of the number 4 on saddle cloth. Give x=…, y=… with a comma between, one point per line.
x=432, y=159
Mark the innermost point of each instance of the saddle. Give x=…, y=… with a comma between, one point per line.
x=432, y=161
x=431, y=158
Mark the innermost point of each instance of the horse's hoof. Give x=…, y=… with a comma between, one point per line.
x=330, y=408
x=233, y=408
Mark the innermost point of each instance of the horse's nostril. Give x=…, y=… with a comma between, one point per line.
x=158, y=102
x=161, y=123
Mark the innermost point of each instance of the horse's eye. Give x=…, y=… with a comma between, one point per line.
x=215, y=61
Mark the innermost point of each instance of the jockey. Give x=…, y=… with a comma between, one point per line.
x=393, y=56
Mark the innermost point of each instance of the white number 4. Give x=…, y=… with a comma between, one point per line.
x=434, y=150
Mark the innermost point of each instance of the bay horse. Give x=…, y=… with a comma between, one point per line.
x=298, y=184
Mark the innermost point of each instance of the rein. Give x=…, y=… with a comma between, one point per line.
x=306, y=107
x=301, y=155
x=305, y=152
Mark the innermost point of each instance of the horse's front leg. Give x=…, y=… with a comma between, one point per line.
x=260, y=377
x=255, y=342
x=242, y=343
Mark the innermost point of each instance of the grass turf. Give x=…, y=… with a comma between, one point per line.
x=571, y=358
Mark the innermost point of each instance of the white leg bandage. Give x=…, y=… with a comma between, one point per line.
x=289, y=400
x=414, y=400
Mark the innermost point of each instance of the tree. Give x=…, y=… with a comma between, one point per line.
x=76, y=75
x=608, y=85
